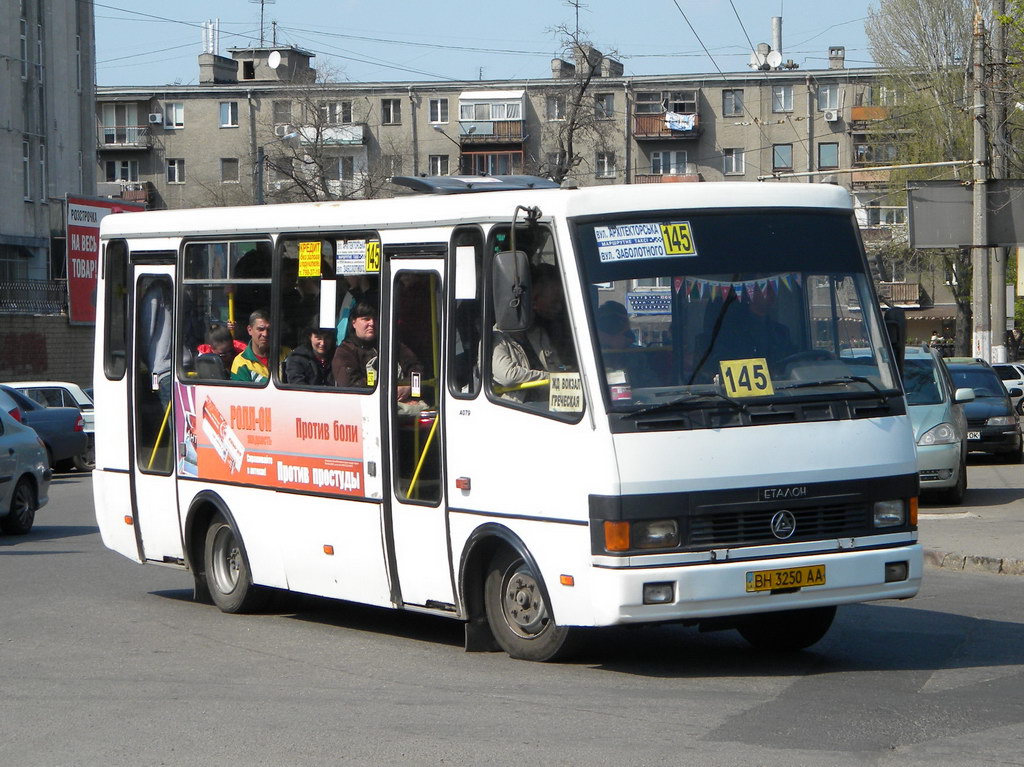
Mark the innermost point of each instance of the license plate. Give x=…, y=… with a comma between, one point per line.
x=974, y=435
x=786, y=578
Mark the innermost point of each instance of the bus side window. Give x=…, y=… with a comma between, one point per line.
x=466, y=318
x=537, y=368
x=115, y=341
x=308, y=301
x=226, y=291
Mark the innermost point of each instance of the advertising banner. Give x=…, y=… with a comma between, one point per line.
x=83, y=250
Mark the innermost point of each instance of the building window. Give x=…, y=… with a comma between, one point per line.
x=39, y=52
x=121, y=170
x=229, y=170
x=347, y=167
x=682, y=102
x=732, y=162
x=828, y=156
x=782, y=98
x=555, y=107
x=42, y=173
x=26, y=170
x=174, y=114
x=334, y=112
x=391, y=165
x=23, y=47
x=390, y=112
x=732, y=103
x=282, y=112
x=229, y=114
x=828, y=97
x=782, y=157
x=649, y=102
x=604, y=165
x=439, y=111
x=438, y=165
x=604, y=106
x=668, y=163
x=78, y=63
x=176, y=170
x=656, y=102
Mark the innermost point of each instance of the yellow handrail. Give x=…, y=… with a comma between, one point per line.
x=525, y=385
x=159, y=434
x=423, y=456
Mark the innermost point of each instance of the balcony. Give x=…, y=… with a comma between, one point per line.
x=904, y=294
x=122, y=137
x=666, y=125
x=36, y=297
x=350, y=134
x=491, y=163
x=491, y=132
x=665, y=178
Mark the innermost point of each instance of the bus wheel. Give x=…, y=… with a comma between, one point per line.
x=517, y=613
x=23, y=510
x=787, y=631
x=227, y=569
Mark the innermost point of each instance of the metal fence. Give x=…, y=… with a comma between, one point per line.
x=36, y=297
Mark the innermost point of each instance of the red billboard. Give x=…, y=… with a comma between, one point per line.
x=83, y=251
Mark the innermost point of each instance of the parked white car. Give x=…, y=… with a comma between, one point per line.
x=64, y=394
x=1012, y=376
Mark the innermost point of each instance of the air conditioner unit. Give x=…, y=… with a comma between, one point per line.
x=831, y=115
x=282, y=130
x=155, y=118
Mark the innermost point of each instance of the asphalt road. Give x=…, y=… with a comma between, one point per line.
x=104, y=662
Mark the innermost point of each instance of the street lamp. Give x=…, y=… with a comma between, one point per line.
x=471, y=129
x=261, y=157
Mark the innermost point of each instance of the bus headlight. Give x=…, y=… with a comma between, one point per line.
x=943, y=434
x=889, y=513
x=654, y=534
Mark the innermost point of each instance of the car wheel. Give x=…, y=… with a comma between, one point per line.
x=954, y=496
x=86, y=461
x=517, y=611
x=23, y=510
x=227, y=570
x=787, y=631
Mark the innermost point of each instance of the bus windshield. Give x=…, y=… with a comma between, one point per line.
x=736, y=307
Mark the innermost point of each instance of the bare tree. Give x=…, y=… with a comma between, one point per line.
x=576, y=121
x=926, y=48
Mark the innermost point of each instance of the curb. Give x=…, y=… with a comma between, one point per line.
x=974, y=564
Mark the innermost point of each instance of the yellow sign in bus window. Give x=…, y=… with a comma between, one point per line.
x=373, y=256
x=746, y=378
x=678, y=239
x=309, y=259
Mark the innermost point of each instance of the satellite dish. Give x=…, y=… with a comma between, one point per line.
x=274, y=59
x=774, y=59
x=757, y=60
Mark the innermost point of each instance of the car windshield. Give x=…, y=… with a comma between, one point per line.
x=759, y=305
x=921, y=381
x=984, y=381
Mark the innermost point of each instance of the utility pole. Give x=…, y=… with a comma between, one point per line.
x=997, y=76
x=982, y=325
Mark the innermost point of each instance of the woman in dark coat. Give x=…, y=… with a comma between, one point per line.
x=310, y=363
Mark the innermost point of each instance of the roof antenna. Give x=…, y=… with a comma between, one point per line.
x=263, y=4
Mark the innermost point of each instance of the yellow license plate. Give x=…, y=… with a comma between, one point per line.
x=786, y=578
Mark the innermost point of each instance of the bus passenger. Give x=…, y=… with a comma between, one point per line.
x=355, y=361
x=252, y=365
x=219, y=341
x=311, y=362
x=549, y=311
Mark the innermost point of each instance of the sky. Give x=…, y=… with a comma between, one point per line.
x=400, y=40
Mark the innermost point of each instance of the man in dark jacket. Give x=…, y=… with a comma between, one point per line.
x=310, y=363
x=355, y=361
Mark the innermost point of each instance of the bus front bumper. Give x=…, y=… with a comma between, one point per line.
x=719, y=589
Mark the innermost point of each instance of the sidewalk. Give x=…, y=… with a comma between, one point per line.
x=985, y=535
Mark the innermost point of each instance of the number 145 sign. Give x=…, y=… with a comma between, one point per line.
x=746, y=378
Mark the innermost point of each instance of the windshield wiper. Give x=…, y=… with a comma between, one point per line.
x=835, y=382
x=694, y=399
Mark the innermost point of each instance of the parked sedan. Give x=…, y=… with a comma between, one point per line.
x=24, y=473
x=62, y=429
x=992, y=424
x=940, y=427
x=64, y=394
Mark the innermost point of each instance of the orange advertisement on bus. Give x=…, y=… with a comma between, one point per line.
x=229, y=435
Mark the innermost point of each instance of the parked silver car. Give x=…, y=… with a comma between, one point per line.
x=25, y=472
x=940, y=425
x=64, y=394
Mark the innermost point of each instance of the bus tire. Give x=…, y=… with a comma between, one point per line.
x=22, y=513
x=227, y=569
x=517, y=611
x=787, y=631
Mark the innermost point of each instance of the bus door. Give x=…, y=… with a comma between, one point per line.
x=152, y=417
x=417, y=509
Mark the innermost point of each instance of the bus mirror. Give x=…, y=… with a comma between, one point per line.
x=896, y=326
x=513, y=309
x=465, y=273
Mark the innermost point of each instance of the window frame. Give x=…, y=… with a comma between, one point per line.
x=437, y=111
x=232, y=114
x=734, y=157
x=174, y=115
x=828, y=96
x=390, y=111
x=440, y=160
x=780, y=152
x=554, y=107
x=782, y=98
x=821, y=163
x=226, y=162
x=178, y=163
x=732, y=102
x=604, y=165
x=604, y=106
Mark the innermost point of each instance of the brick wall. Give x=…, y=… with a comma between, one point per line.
x=46, y=348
